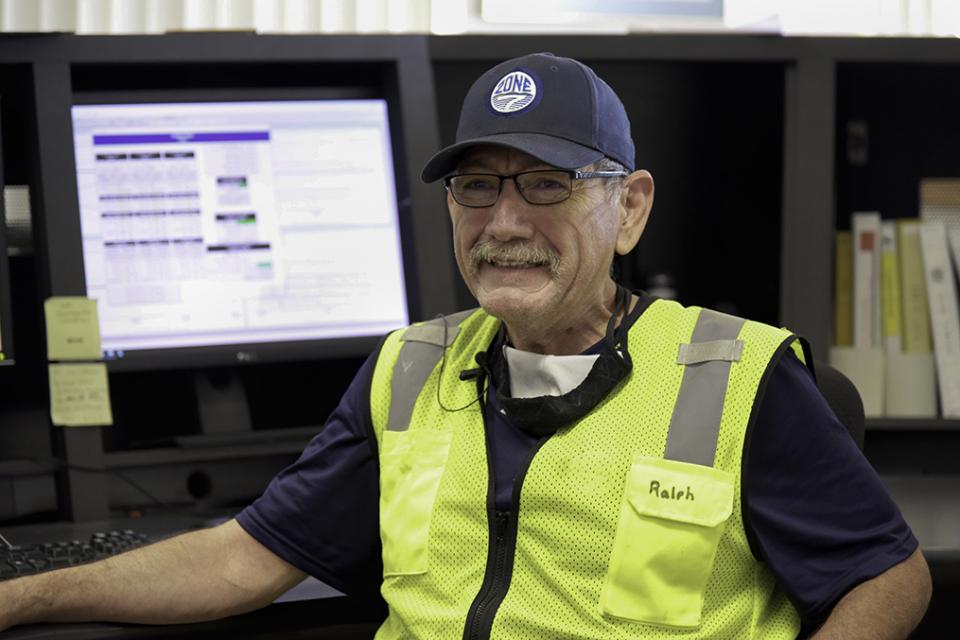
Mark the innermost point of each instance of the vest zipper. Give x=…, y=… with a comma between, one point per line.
x=495, y=583
x=500, y=555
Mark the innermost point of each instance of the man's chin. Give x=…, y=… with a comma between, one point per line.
x=514, y=304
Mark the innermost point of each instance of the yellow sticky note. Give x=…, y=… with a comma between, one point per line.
x=79, y=395
x=73, y=328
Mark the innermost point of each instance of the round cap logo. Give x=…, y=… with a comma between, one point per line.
x=514, y=91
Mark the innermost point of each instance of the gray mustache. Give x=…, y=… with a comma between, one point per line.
x=490, y=251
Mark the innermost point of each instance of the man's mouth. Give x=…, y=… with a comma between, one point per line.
x=514, y=264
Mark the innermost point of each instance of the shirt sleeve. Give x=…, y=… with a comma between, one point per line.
x=321, y=513
x=820, y=516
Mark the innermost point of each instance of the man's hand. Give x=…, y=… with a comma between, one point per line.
x=889, y=606
x=203, y=575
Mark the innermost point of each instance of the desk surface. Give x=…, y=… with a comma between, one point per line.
x=328, y=619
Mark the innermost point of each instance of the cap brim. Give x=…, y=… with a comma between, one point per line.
x=553, y=151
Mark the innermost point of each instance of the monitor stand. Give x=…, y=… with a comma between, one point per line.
x=225, y=415
x=222, y=402
x=222, y=407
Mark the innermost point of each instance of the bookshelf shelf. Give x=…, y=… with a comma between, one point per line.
x=903, y=446
x=912, y=424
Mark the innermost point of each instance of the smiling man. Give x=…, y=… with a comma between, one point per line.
x=570, y=460
x=593, y=401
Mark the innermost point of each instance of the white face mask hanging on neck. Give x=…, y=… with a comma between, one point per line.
x=533, y=375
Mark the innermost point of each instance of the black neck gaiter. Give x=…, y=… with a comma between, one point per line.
x=544, y=415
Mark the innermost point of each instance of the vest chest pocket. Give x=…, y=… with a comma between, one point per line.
x=671, y=520
x=411, y=466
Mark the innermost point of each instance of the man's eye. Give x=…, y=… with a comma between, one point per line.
x=547, y=184
x=478, y=185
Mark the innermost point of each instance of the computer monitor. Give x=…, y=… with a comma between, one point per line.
x=316, y=101
x=256, y=228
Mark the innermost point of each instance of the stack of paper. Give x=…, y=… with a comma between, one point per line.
x=940, y=213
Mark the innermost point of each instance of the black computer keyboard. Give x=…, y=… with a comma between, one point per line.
x=34, y=558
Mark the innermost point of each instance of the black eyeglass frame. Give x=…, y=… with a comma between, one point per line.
x=574, y=175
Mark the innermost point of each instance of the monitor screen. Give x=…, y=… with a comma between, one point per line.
x=223, y=225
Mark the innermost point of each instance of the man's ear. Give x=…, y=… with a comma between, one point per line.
x=636, y=201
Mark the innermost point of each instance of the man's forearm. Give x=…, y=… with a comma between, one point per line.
x=198, y=576
x=888, y=607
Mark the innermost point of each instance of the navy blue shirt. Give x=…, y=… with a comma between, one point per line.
x=817, y=513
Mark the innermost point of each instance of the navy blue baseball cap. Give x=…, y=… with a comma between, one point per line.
x=555, y=109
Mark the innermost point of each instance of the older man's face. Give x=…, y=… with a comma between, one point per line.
x=534, y=265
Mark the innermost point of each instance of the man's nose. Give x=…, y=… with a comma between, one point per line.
x=508, y=216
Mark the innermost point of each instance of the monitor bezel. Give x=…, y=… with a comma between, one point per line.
x=244, y=354
x=6, y=293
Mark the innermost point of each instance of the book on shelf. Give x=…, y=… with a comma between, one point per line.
x=944, y=314
x=913, y=289
x=861, y=356
x=891, y=325
x=866, y=280
x=909, y=371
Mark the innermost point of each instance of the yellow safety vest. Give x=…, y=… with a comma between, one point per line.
x=626, y=524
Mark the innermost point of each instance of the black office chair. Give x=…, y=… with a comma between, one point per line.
x=843, y=398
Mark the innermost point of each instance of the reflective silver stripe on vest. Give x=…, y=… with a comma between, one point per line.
x=423, y=346
x=695, y=424
x=697, y=352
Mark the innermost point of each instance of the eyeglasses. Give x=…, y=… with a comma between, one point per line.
x=536, y=187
